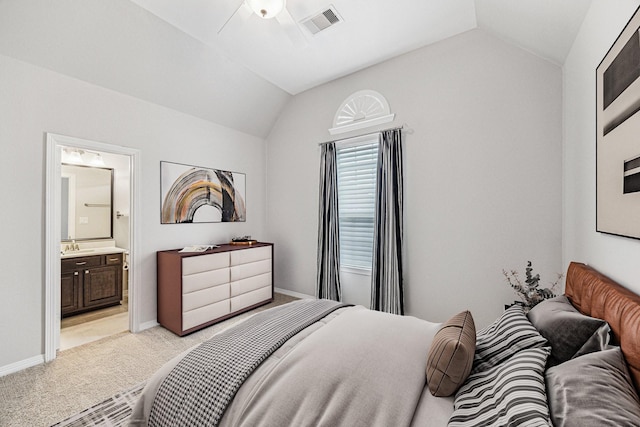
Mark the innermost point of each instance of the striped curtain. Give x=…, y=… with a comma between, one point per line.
x=386, y=275
x=328, y=280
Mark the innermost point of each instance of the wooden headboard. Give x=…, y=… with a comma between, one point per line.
x=595, y=295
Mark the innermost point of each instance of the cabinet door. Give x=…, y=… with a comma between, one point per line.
x=69, y=292
x=102, y=285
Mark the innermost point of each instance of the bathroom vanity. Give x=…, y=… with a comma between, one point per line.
x=90, y=279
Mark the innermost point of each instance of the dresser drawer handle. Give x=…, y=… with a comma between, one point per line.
x=75, y=273
x=81, y=263
x=114, y=259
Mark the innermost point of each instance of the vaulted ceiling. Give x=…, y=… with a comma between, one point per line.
x=173, y=52
x=369, y=31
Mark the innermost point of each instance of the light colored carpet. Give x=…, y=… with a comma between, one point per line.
x=84, y=376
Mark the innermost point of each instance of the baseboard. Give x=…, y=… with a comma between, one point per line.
x=23, y=364
x=293, y=294
x=148, y=325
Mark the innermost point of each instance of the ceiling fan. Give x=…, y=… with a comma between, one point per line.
x=267, y=9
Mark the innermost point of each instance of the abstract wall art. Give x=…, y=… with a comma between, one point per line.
x=617, y=140
x=193, y=194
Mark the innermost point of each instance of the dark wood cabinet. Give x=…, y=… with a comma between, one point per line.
x=69, y=292
x=91, y=282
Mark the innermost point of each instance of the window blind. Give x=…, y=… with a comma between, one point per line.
x=356, y=167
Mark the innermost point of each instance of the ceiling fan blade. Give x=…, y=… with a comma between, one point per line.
x=239, y=17
x=291, y=28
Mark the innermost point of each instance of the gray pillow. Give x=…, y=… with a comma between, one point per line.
x=569, y=332
x=593, y=390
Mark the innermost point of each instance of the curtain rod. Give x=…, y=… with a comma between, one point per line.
x=358, y=136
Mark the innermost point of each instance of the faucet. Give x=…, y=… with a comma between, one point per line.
x=72, y=247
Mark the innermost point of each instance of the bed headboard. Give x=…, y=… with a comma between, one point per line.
x=595, y=295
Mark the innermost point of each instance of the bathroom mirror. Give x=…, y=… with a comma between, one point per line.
x=87, y=202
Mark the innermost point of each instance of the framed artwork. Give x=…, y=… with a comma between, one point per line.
x=618, y=135
x=192, y=194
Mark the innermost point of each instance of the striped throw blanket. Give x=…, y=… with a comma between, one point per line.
x=201, y=386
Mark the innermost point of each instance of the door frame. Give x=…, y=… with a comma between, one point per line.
x=53, y=228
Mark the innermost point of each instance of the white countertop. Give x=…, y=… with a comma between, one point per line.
x=91, y=251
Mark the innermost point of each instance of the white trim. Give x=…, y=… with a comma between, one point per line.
x=51, y=259
x=362, y=109
x=23, y=364
x=135, y=239
x=362, y=124
x=53, y=228
x=293, y=293
x=358, y=140
x=148, y=325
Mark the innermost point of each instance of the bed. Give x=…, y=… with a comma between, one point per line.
x=573, y=360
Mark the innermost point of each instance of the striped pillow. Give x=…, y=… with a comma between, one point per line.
x=509, y=334
x=512, y=393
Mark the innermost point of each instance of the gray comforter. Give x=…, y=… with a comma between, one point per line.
x=355, y=367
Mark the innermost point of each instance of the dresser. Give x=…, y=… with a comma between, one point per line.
x=196, y=290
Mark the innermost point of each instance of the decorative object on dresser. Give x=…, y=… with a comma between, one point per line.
x=243, y=240
x=186, y=190
x=90, y=282
x=198, y=289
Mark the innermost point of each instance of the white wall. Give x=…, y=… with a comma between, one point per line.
x=614, y=256
x=482, y=175
x=121, y=196
x=34, y=101
x=121, y=46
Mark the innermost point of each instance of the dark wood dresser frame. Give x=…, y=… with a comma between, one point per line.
x=170, y=288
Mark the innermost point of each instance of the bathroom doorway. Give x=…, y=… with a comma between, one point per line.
x=95, y=230
x=76, y=235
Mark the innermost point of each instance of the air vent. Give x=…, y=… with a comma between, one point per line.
x=322, y=20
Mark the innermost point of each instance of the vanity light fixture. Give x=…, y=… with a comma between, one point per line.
x=71, y=155
x=77, y=156
x=266, y=9
x=97, y=159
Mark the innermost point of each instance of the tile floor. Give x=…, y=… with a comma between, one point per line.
x=92, y=326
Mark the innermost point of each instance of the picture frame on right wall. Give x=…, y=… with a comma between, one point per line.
x=618, y=135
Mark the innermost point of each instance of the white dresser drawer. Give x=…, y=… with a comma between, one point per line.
x=250, y=284
x=206, y=279
x=205, y=314
x=239, y=272
x=250, y=298
x=250, y=255
x=204, y=297
x=196, y=290
x=198, y=264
